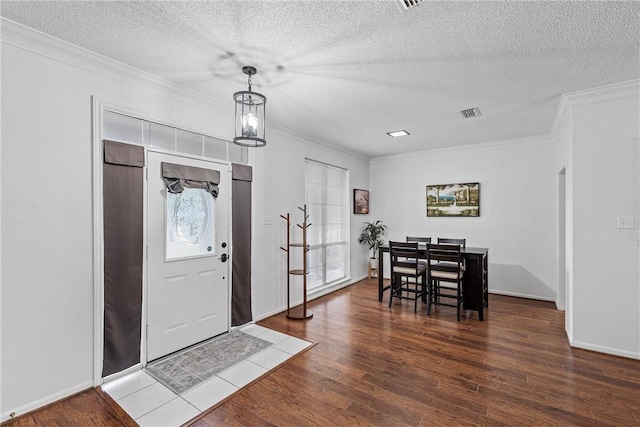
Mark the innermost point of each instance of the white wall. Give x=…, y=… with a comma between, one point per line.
x=517, y=207
x=47, y=241
x=606, y=185
x=47, y=312
x=279, y=187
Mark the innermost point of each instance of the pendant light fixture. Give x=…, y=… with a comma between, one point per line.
x=250, y=112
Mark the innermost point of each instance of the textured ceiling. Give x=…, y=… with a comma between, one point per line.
x=345, y=73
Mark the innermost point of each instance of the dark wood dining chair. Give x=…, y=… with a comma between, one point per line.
x=445, y=272
x=463, y=244
x=408, y=278
x=450, y=241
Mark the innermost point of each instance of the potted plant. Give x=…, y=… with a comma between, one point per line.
x=371, y=236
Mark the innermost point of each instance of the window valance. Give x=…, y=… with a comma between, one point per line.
x=178, y=177
x=117, y=153
x=241, y=172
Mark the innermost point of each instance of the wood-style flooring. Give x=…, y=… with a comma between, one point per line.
x=390, y=367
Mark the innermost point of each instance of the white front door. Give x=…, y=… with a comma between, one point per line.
x=187, y=276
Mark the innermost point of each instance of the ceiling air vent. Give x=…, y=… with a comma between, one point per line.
x=407, y=4
x=470, y=112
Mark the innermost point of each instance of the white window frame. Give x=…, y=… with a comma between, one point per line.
x=324, y=245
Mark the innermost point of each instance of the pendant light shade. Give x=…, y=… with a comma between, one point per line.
x=250, y=114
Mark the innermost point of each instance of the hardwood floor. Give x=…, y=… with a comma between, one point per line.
x=390, y=367
x=91, y=407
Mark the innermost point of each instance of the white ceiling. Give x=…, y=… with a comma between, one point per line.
x=347, y=72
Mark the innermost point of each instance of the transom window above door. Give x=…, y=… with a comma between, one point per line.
x=132, y=130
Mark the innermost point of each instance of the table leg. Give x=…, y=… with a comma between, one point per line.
x=380, y=275
x=486, y=280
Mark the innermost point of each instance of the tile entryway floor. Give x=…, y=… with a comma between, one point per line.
x=150, y=403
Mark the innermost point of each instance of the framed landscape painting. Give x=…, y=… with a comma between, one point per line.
x=360, y=201
x=453, y=199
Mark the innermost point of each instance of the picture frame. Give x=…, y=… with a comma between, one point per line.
x=360, y=202
x=453, y=200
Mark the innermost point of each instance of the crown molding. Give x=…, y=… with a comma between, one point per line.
x=605, y=93
x=37, y=42
x=32, y=40
x=485, y=146
x=560, y=112
x=314, y=142
x=594, y=95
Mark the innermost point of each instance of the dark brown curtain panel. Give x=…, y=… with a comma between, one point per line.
x=241, y=223
x=123, y=253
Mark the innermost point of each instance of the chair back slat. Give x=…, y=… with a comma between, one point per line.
x=419, y=239
x=403, y=254
x=444, y=257
x=447, y=240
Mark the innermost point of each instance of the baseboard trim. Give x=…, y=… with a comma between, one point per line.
x=47, y=400
x=519, y=295
x=268, y=314
x=332, y=288
x=604, y=349
x=311, y=297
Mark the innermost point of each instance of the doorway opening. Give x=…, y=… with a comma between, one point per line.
x=130, y=128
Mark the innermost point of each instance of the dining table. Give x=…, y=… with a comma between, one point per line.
x=475, y=282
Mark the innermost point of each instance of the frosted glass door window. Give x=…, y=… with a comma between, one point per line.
x=190, y=224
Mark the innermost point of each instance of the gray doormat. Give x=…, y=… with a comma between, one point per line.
x=188, y=368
